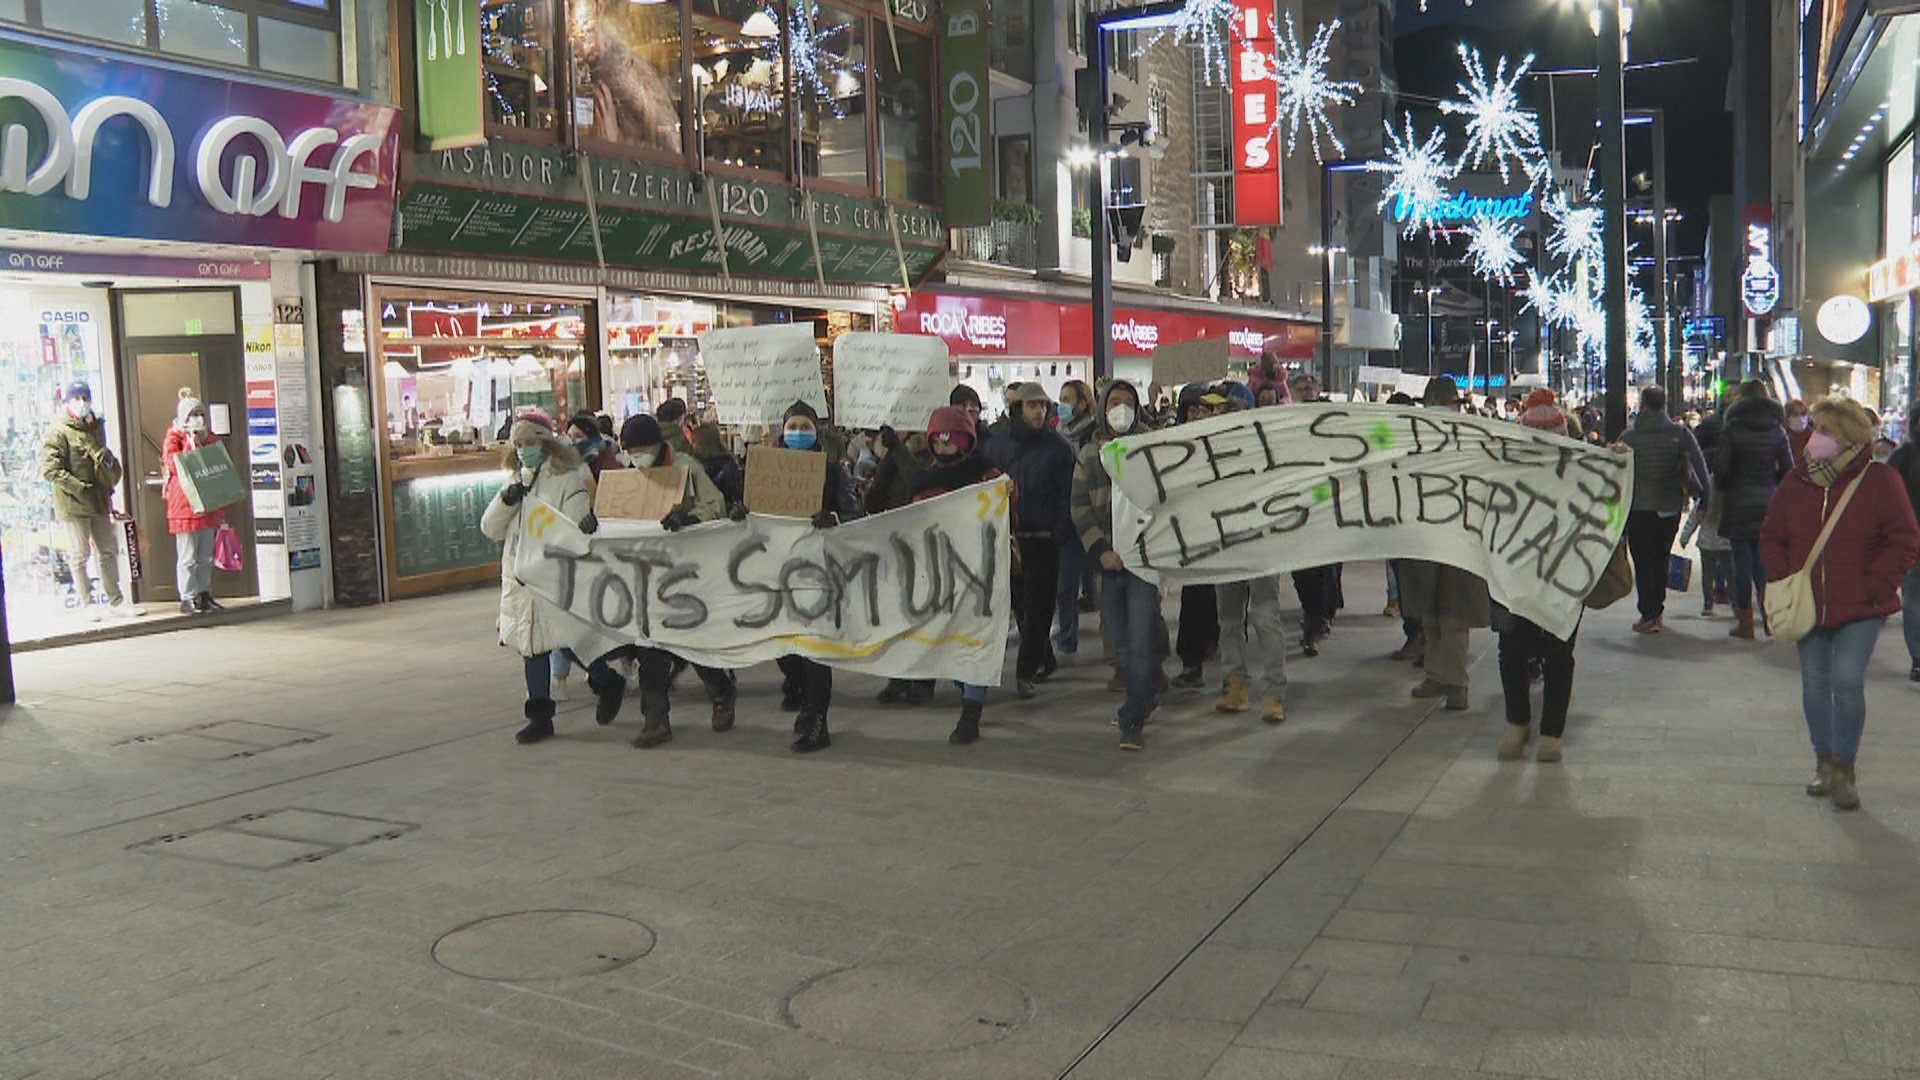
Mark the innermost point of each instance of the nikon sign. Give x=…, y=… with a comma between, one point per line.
x=966, y=113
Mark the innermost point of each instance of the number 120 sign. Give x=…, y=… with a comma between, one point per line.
x=1256, y=148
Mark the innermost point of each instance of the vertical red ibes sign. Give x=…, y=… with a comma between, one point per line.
x=1256, y=148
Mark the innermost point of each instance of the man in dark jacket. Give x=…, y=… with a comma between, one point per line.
x=1449, y=602
x=75, y=460
x=1906, y=462
x=1748, y=464
x=1040, y=464
x=1128, y=603
x=1668, y=470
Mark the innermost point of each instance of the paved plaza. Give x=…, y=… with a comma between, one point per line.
x=309, y=847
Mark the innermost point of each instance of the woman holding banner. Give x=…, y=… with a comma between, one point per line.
x=193, y=532
x=952, y=463
x=544, y=466
x=1523, y=642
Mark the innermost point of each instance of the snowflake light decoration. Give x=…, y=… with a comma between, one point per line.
x=812, y=52
x=1303, y=92
x=1417, y=176
x=1550, y=296
x=1210, y=26
x=1493, y=249
x=1498, y=129
x=1576, y=231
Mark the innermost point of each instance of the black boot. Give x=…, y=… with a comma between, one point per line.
x=791, y=698
x=920, y=692
x=967, y=731
x=894, y=693
x=206, y=602
x=539, y=722
x=609, y=695
x=812, y=729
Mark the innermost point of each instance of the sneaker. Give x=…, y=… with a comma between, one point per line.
x=120, y=609
x=1023, y=689
x=1136, y=739
x=1428, y=688
x=1273, y=710
x=1549, y=750
x=1649, y=626
x=187, y=608
x=1190, y=679
x=1513, y=745
x=1309, y=648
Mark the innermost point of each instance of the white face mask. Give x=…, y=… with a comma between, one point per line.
x=196, y=424
x=642, y=459
x=80, y=408
x=1120, y=418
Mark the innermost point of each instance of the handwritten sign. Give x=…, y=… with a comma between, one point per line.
x=893, y=380
x=785, y=483
x=756, y=372
x=1252, y=493
x=640, y=494
x=1181, y=362
x=920, y=591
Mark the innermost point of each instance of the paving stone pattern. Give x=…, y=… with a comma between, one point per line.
x=1362, y=894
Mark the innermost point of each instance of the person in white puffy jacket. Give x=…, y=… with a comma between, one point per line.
x=548, y=468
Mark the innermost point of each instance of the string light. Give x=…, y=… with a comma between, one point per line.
x=1303, y=89
x=1210, y=26
x=1498, y=129
x=1417, y=175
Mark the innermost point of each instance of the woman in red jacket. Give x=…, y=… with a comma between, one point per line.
x=193, y=533
x=1856, y=583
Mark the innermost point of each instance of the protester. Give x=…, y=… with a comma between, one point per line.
x=1873, y=544
x=193, y=531
x=1414, y=648
x=1199, y=629
x=74, y=459
x=646, y=447
x=1906, y=462
x=1078, y=422
x=1076, y=412
x=967, y=398
x=547, y=468
x=893, y=487
x=1040, y=464
x=1523, y=643
x=807, y=685
x=594, y=448
x=1252, y=629
x=1318, y=587
x=1448, y=601
x=713, y=456
x=951, y=464
x=672, y=415
x=1667, y=468
x=1128, y=603
x=1752, y=457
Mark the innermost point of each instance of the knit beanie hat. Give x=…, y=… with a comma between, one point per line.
x=801, y=408
x=952, y=424
x=532, y=424
x=187, y=407
x=1540, y=413
x=640, y=431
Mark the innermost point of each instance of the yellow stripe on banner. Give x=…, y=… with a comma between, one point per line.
x=861, y=652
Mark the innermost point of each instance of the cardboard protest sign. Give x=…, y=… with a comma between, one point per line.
x=917, y=592
x=640, y=494
x=756, y=372
x=1180, y=362
x=785, y=483
x=1265, y=491
x=893, y=380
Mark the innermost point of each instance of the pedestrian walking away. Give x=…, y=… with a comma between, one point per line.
x=1749, y=463
x=1906, y=462
x=1668, y=469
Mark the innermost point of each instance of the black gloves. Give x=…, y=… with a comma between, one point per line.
x=737, y=512
x=825, y=519
x=514, y=493
x=589, y=524
x=678, y=520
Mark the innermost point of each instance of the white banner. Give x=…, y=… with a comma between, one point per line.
x=757, y=372
x=1288, y=487
x=889, y=380
x=919, y=592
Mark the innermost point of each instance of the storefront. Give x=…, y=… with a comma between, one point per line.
x=156, y=245
x=996, y=339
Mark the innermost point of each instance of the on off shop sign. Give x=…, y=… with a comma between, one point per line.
x=91, y=145
x=1010, y=326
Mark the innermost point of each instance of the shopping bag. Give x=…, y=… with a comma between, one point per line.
x=1616, y=581
x=227, y=554
x=1679, y=573
x=208, y=478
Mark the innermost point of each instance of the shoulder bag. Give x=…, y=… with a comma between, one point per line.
x=1791, y=614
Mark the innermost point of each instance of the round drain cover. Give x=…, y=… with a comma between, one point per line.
x=543, y=945
x=899, y=1008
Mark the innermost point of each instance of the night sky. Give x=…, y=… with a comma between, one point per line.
x=1699, y=129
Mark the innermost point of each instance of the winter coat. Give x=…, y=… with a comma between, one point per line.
x=727, y=475
x=703, y=498
x=1748, y=465
x=1906, y=462
x=600, y=455
x=75, y=460
x=1664, y=455
x=1438, y=594
x=522, y=627
x=934, y=480
x=1080, y=430
x=1041, y=464
x=1872, y=547
x=836, y=495
x=1092, y=499
x=181, y=517
x=893, y=483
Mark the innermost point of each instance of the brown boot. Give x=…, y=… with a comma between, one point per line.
x=1821, y=785
x=1742, y=624
x=653, y=734
x=1840, y=784
x=1414, y=650
x=723, y=715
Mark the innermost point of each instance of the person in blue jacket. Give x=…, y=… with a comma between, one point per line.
x=1040, y=463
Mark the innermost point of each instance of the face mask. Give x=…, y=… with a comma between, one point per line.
x=1064, y=411
x=80, y=408
x=1797, y=422
x=530, y=456
x=196, y=424
x=799, y=440
x=1823, y=447
x=642, y=459
x=1120, y=418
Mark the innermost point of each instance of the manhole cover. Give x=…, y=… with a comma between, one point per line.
x=543, y=945
x=904, y=1009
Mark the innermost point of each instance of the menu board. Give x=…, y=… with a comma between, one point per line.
x=436, y=523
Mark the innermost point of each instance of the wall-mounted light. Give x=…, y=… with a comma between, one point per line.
x=760, y=25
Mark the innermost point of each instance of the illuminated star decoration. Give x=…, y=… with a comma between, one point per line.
x=1417, y=176
x=1303, y=92
x=1549, y=296
x=812, y=52
x=1206, y=24
x=1498, y=129
x=1493, y=249
x=1576, y=230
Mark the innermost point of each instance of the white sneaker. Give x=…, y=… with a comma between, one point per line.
x=93, y=612
x=120, y=609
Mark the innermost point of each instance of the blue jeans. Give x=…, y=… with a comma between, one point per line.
x=1716, y=574
x=1393, y=584
x=1910, y=615
x=539, y=672
x=1833, y=685
x=1073, y=579
x=971, y=694
x=1127, y=607
x=1748, y=575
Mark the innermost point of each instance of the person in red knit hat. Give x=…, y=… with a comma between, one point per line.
x=1522, y=641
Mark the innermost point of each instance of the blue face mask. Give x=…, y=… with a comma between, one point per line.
x=1064, y=411
x=799, y=440
x=531, y=456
